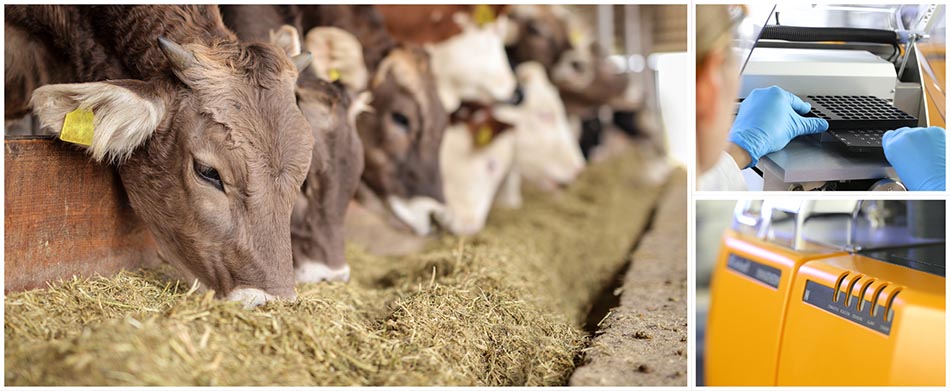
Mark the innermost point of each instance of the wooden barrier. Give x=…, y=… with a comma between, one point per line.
x=65, y=215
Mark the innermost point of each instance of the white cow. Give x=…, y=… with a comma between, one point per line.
x=473, y=170
x=540, y=149
x=546, y=151
x=472, y=65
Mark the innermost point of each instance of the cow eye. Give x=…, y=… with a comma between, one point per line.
x=400, y=120
x=208, y=174
x=533, y=29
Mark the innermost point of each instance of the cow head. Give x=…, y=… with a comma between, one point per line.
x=477, y=155
x=546, y=152
x=212, y=157
x=317, y=228
x=537, y=33
x=472, y=65
x=585, y=75
x=575, y=70
x=334, y=172
x=402, y=135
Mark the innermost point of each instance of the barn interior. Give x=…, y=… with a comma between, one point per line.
x=585, y=285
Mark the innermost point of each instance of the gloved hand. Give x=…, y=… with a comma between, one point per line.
x=768, y=119
x=919, y=155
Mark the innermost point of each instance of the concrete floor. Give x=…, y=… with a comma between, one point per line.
x=643, y=341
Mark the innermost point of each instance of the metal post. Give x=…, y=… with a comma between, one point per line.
x=605, y=26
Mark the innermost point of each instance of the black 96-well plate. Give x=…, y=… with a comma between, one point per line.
x=858, y=112
x=858, y=122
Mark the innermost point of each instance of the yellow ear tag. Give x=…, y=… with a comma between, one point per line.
x=483, y=15
x=334, y=74
x=576, y=37
x=483, y=136
x=77, y=127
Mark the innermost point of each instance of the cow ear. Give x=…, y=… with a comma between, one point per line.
x=338, y=56
x=512, y=35
x=287, y=38
x=123, y=114
x=502, y=25
x=464, y=21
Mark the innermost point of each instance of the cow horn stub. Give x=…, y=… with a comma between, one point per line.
x=302, y=61
x=179, y=57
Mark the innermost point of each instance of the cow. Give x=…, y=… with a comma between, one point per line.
x=546, y=153
x=489, y=150
x=203, y=131
x=466, y=43
x=577, y=65
x=537, y=33
x=402, y=130
x=471, y=72
x=321, y=204
x=477, y=158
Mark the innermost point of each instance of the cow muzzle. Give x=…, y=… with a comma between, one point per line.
x=318, y=272
x=419, y=212
x=253, y=297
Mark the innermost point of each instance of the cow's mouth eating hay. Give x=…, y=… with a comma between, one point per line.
x=503, y=308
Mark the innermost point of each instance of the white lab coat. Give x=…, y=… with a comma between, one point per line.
x=724, y=176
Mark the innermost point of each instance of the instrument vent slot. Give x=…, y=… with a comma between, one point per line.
x=864, y=289
x=876, y=296
x=854, y=281
x=838, y=286
x=889, y=308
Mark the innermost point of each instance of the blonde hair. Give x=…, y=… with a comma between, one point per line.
x=714, y=25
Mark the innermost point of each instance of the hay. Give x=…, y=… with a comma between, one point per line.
x=505, y=307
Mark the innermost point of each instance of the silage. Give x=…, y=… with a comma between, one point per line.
x=505, y=307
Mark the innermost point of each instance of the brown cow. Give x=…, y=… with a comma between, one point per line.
x=537, y=33
x=320, y=207
x=206, y=135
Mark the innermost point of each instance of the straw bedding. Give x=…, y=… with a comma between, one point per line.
x=505, y=307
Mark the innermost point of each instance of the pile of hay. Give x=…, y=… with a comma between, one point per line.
x=505, y=307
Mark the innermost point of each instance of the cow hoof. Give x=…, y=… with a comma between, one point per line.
x=250, y=297
x=316, y=272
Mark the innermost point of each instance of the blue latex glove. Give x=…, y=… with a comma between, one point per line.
x=919, y=155
x=768, y=119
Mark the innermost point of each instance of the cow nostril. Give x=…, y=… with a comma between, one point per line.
x=577, y=65
x=517, y=97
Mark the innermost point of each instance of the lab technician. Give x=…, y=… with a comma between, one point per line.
x=771, y=117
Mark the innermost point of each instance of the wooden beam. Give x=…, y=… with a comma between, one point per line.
x=65, y=215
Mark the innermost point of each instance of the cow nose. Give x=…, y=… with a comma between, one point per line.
x=577, y=65
x=253, y=297
x=442, y=217
x=319, y=271
x=517, y=97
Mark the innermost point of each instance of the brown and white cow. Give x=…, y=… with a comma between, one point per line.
x=588, y=82
x=539, y=33
x=466, y=43
x=477, y=156
x=203, y=129
x=485, y=160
